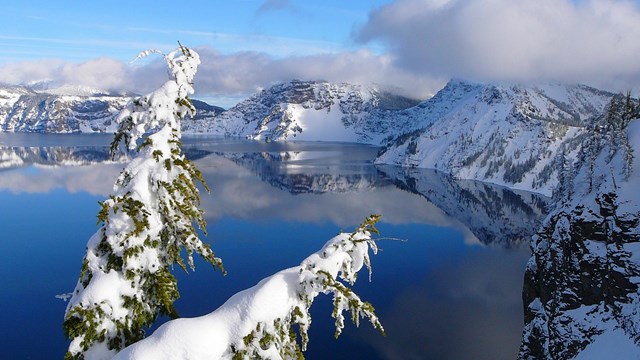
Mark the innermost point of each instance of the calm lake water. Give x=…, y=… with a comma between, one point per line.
x=451, y=291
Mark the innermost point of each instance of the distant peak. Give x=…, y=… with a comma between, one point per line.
x=460, y=81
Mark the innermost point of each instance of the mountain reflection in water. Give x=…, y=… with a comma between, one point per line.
x=442, y=294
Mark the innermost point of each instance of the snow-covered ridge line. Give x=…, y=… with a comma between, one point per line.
x=511, y=135
x=300, y=110
x=504, y=134
x=315, y=111
x=69, y=109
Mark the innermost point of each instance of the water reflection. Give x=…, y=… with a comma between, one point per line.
x=495, y=215
x=470, y=302
x=11, y=157
x=271, y=205
x=249, y=179
x=292, y=172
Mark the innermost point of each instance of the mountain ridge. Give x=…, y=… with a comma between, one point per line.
x=313, y=111
x=507, y=135
x=69, y=109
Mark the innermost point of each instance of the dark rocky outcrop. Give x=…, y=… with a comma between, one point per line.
x=582, y=282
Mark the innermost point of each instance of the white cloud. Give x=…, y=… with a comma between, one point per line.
x=593, y=41
x=107, y=73
x=428, y=42
x=249, y=71
x=103, y=73
x=23, y=72
x=227, y=75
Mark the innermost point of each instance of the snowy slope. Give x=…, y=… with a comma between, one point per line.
x=582, y=284
x=70, y=109
x=314, y=111
x=507, y=135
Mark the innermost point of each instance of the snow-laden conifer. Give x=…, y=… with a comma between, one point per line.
x=125, y=282
x=271, y=319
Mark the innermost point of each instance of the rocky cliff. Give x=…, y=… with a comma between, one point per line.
x=581, y=292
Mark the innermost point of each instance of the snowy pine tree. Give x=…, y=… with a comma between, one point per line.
x=271, y=319
x=125, y=282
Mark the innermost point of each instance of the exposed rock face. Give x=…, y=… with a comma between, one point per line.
x=508, y=135
x=582, y=283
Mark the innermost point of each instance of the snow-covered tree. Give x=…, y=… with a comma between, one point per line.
x=271, y=319
x=125, y=282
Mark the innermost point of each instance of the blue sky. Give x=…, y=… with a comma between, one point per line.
x=409, y=46
x=76, y=31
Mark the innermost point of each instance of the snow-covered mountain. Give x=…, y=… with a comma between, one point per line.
x=25, y=110
x=504, y=134
x=510, y=135
x=315, y=111
x=67, y=109
x=582, y=284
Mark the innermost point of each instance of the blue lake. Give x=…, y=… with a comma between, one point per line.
x=452, y=290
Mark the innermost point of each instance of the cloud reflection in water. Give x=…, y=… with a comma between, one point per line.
x=441, y=299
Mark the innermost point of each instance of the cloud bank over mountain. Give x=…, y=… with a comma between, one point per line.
x=413, y=46
x=237, y=74
x=591, y=41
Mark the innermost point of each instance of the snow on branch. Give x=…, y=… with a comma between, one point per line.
x=166, y=106
x=261, y=322
x=125, y=281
